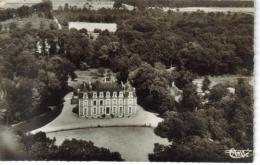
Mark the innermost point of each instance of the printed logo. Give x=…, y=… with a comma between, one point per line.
x=239, y=154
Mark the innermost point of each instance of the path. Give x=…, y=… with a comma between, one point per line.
x=56, y=21
x=67, y=120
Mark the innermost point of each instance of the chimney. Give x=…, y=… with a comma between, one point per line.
x=105, y=76
x=123, y=85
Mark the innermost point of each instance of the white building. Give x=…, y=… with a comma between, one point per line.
x=90, y=27
x=106, y=99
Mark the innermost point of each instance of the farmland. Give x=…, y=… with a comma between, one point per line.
x=34, y=21
x=97, y=4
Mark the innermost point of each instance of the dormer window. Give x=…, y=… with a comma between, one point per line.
x=95, y=94
x=101, y=94
x=107, y=94
x=85, y=96
x=130, y=94
x=114, y=94
x=120, y=94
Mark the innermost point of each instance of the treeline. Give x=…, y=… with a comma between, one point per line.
x=42, y=9
x=85, y=14
x=40, y=147
x=188, y=3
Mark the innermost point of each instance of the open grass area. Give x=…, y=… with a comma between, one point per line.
x=95, y=4
x=133, y=143
x=38, y=121
x=248, y=10
x=35, y=21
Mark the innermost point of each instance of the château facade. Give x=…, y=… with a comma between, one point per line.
x=106, y=100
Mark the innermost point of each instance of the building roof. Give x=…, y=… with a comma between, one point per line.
x=110, y=87
x=111, y=27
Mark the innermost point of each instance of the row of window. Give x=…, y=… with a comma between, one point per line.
x=101, y=94
x=108, y=111
x=107, y=102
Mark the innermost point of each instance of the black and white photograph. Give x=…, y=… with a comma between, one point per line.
x=127, y=80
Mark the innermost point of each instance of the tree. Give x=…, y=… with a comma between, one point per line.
x=53, y=26
x=40, y=147
x=117, y=4
x=42, y=25
x=205, y=84
x=12, y=26
x=190, y=99
x=80, y=150
x=152, y=89
x=26, y=65
x=217, y=93
x=28, y=25
x=122, y=76
x=19, y=99
x=182, y=78
x=194, y=149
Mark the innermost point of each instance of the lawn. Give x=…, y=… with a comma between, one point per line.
x=34, y=20
x=96, y=4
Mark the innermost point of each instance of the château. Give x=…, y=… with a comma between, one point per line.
x=107, y=99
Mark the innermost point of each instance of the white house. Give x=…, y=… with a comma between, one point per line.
x=90, y=27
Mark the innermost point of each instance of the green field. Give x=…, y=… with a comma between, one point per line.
x=96, y=4
x=35, y=21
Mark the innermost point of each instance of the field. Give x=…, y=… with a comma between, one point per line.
x=248, y=10
x=34, y=20
x=96, y=4
x=133, y=143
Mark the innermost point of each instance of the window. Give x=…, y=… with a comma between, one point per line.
x=85, y=111
x=101, y=102
x=101, y=110
x=94, y=111
x=107, y=110
x=94, y=102
x=95, y=94
x=120, y=101
x=114, y=94
x=108, y=102
x=130, y=110
x=108, y=94
x=101, y=94
x=114, y=101
x=114, y=110
x=120, y=110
